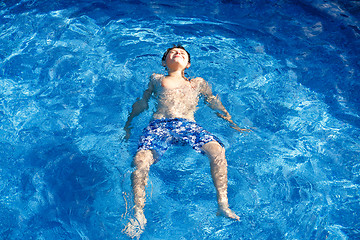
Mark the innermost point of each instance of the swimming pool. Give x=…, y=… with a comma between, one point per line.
x=70, y=71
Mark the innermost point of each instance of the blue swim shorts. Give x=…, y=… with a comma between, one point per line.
x=162, y=133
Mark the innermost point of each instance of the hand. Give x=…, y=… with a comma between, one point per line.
x=237, y=128
x=233, y=125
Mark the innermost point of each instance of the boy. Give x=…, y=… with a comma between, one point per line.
x=173, y=122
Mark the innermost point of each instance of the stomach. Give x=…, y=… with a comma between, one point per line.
x=177, y=104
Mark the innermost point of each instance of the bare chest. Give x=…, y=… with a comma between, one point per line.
x=173, y=83
x=178, y=91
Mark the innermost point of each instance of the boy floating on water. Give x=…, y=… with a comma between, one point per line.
x=173, y=122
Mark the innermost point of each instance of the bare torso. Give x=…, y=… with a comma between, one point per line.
x=177, y=100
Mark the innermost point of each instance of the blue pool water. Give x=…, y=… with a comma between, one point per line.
x=70, y=71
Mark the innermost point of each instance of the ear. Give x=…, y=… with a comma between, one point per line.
x=188, y=65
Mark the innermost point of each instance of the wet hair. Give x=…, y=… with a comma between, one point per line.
x=175, y=46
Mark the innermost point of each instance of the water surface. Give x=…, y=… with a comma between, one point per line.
x=70, y=71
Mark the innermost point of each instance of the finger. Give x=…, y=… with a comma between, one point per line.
x=241, y=129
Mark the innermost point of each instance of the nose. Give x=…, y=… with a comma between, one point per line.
x=177, y=54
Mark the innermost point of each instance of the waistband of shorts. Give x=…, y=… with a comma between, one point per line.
x=161, y=120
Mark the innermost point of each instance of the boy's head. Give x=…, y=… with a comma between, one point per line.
x=171, y=49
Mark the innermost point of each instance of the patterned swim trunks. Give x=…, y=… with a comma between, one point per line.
x=162, y=133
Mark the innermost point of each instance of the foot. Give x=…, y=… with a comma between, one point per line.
x=227, y=212
x=135, y=226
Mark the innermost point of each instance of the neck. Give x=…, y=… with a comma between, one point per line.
x=176, y=74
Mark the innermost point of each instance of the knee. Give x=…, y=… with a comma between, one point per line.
x=143, y=159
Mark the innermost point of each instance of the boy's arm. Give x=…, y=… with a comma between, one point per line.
x=139, y=106
x=215, y=104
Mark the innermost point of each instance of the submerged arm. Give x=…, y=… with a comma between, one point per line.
x=215, y=104
x=138, y=107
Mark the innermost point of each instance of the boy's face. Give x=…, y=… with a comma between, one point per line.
x=177, y=56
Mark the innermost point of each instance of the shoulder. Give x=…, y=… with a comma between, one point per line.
x=198, y=79
x=156, y=76
x=155, y=81
x=200, y=82
x=203, y=86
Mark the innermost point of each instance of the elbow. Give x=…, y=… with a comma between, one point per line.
x=141, y=105
x=144, y=104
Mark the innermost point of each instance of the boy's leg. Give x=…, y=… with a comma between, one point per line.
x=218, y=165
x=142, y=161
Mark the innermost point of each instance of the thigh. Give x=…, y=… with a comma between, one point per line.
x=198, y=137
x=156, y=138
x=213, y=149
